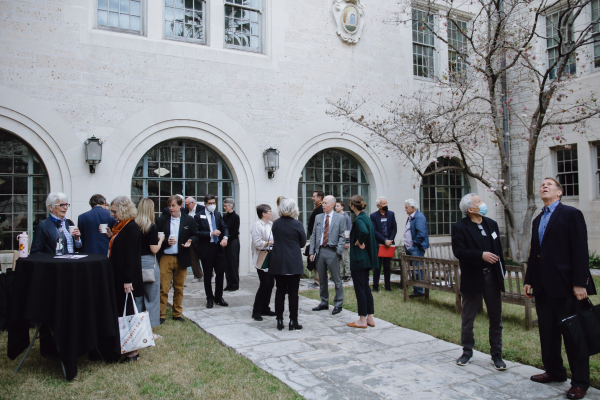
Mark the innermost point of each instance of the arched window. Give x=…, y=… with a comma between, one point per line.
x=183, y=167
x=440, y=197
x=334, y=172
x=23, y=190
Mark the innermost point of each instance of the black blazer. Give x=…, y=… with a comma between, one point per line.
x=203, y=229
x=467, y=246
x=187, y=231
x=45, y=236
x=232, y=220
x=392, y=227
x=289, y=239
x=311, y=220
x=126, y=261
x=92, y=241
x=562, y=261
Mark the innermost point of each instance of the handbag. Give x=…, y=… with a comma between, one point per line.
x=135, y=330
x=148, y=274
x=264, y=256
x=582, y=331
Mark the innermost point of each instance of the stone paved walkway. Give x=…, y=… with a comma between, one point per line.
x=328, y=360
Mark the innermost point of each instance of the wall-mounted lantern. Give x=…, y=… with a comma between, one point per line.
x=271, y=157
x=93, y=152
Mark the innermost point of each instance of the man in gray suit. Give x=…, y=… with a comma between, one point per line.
x=327, y=248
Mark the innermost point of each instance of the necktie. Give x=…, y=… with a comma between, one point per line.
x=544, y=223
x=214, y=227
x=326, y=231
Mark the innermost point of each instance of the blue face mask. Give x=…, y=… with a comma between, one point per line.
x=483, y=209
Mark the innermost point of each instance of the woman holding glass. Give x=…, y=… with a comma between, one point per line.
x=262, y=240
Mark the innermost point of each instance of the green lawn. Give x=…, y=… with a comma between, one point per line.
x=186, y=364
x=437, y=317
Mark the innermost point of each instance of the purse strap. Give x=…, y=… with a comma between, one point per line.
x=134, y=306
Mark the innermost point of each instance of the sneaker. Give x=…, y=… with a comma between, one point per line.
x=195, y=280
x=498, y=363
x=463, y=360
x=313, y=285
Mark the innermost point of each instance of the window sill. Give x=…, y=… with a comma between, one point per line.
x=421, y=78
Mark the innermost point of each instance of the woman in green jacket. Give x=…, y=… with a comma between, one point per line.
x=363, y=258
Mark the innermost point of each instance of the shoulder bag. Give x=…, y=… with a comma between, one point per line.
x=582, y=330
x=148, y=274
x=264, y=257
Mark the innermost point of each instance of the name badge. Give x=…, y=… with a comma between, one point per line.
x=494, y=235
x=203, y=216
x=384, y=220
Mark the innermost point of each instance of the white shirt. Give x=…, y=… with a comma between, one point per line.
x=210, y=225
x=261, y=234
x=408, y=240
x=193, y=212
x=174, y=231
x=330, y=215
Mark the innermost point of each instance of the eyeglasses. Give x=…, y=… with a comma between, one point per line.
x=63, y=205
x=482, y=231
x=113, y=212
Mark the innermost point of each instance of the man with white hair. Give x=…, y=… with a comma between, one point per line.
x=476, y=244
x=416, y=238
x=192, y=208
x=385, y=227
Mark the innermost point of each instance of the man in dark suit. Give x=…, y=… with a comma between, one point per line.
x=317, y=199
x=476, y=244
x=558, y=275
x=212, y=239
x=416, y=238
x=384, y=225
x=174, y=255
x=192, y=208
x=92, y=240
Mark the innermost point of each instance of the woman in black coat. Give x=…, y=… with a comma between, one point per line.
x=126, y=258
x=286, y=261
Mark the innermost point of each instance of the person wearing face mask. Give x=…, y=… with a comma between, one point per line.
x=384, y=223
x=476, y=244
x=416, y=238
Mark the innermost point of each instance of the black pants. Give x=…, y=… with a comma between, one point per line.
x=364, y=297
x=550, y=311
x=492, y=296
x=287, y=284
x=232, y=254
x=386, y=273
x=213, y=260
x=263, y=294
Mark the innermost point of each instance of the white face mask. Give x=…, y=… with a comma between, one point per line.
x=211, y=208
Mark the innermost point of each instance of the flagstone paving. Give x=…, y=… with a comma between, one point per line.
x=328, y=360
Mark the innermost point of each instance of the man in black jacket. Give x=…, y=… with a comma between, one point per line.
x=174, y=255
x=558, y=275
x=476, y=245
x=212, y=239
x=317, y=199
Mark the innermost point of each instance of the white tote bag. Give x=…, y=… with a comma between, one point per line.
x=135, y=330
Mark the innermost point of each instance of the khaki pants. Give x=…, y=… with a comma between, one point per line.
x=169, y=268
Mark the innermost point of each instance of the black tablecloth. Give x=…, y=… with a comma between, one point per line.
x=74, y=298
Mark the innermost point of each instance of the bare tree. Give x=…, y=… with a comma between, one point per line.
x=468, y=111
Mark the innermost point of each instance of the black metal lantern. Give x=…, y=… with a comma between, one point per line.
x=271, y=157
x=93, y=152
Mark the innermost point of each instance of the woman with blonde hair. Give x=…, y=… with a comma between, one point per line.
x=124, y=251
x=276, y=214
x=150, y=245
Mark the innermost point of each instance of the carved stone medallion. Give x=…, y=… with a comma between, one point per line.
x=350, y=18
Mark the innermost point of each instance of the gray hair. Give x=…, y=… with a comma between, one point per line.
x=54, y=197
x=192, y=200
x=412, y=203
x=330, y=197
x=378, y=201
x=466, y=202
x=229, y=200
x=288, y=208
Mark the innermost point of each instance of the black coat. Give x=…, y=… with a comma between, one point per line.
x=289, y=239
x=126, y=261
x=92, y=241
x=311, y=220
x=467, y=245
x=232, y=220
x=187, y=231
x=203, y=228
x=45, y=236
x=562, y=261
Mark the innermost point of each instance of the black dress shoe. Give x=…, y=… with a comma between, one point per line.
x=234, y=288
x=179, y=319
x=162, y=321
x=294, y=325
x=388, y=290
x=227, y=289
x=546, y=378
x=375, y=289
x=221, y=302
x=268, y=313
x=336, y=310
x=321, y=307
x=257, y=317
x=209, y=303
x=279, y=324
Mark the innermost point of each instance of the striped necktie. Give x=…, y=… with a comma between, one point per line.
x=326, y=231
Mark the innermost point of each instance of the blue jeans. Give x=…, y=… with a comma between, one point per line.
x=415, y=251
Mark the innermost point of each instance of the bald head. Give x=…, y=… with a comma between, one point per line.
x=190, y=203
x=328, y=204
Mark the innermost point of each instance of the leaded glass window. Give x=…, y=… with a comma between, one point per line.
x=440, y=197
x=423, y=43
x=458, y=41
x=120, y=14
x=185, y=19
x=567, y=167
x=334, y=172
x=243, y=24
x=183, y=167
x=552, y=44
x=24, y=187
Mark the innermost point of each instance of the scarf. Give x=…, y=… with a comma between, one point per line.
x=115, y=230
